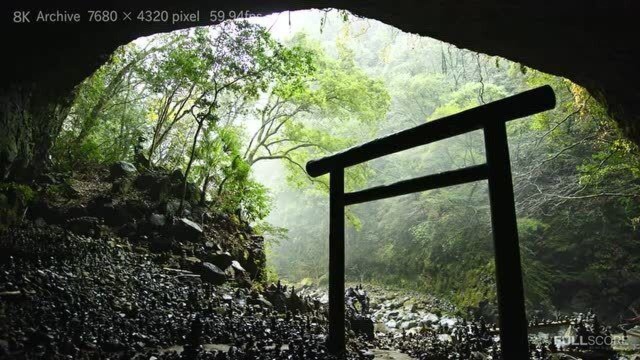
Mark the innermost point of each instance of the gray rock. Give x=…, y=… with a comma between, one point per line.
x=113, y=215
x=121, y=186
x=409, y=316
x=412, y=307
x=157, y=186
x=430, y=318
x=408, y=325
x=188, y=230
x=211, y=273
x=448, y=322
x=191, y=262
x=171, y=207
x=237, y=267
x=157, y=220
x=121, y=169
x=221, y=259
x=391, y=324
x=394, y=305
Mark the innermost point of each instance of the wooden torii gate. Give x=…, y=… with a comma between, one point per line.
x=491, y=118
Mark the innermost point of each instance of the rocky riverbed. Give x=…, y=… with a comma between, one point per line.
x=65, y=295
x=106, y=267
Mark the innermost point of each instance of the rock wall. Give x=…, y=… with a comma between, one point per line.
x=30, y=121
x=143, y=208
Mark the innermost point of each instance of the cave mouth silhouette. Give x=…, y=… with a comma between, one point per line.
x=47, y=60
x=597, y=57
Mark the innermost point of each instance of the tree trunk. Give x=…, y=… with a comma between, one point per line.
x=191, y=158
x=203, y=193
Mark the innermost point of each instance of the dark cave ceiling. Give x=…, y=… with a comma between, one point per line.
x=593, y=43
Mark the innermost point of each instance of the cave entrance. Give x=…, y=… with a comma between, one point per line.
x=491, y=118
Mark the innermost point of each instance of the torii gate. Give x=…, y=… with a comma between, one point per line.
x=491, y=118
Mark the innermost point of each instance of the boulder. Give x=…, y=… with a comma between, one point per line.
x=157, y=220
x=221, y=259
x=121, y=169
x=255, y=262
x=239, y=274
x=391, y=324
x=413, y=307
x=211, y=273
x=77, y=211
x=324, y=299
x=393, y=305
x=237, y=267
x=406, y=325
x=160, y=243
x=187, y=230
x=409, y=316
x=363, y=326
x=157, y=186
x=145, y=181
x=448, y=322
x=209, y=245
x=160, y=190
x=170, y=207
x=190, y=263
x=191, y=193
x=43, y=209
x=121, y=186
x=120, y=215
x=104, y=207
x=430, y=318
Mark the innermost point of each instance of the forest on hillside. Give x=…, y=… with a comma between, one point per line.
x=241, y=107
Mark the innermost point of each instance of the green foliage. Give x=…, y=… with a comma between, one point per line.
x=575, y=181
x=14, y=199
x=105, y=118
x=23, y=192
x=183, y=99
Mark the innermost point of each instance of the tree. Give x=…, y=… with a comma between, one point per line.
x=300, y=115
x=240, y=58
